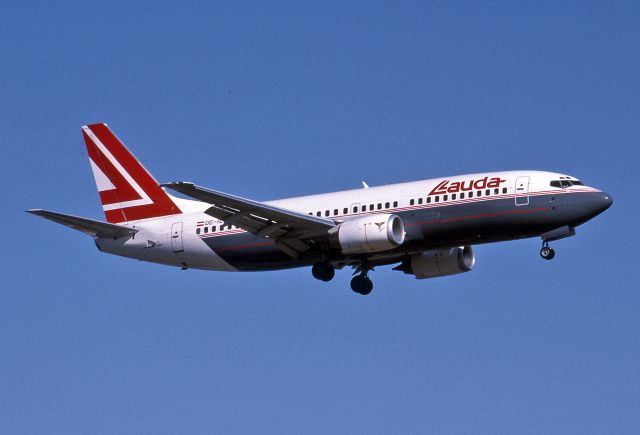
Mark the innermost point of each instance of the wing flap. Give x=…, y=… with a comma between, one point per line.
x=256, y=217
x=88, y=226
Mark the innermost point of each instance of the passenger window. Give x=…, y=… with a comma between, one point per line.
x=412, y=201
x=335, y=212
x=419, y=200
x=371, y=207
x=213, y=229
x=379, y=206
x=453, y=196
x=364, y=208
x=395, y=203
x=221, y=227
x=504, y=190
x=479, y=193
x=206, y=230
x=318, y=213
x=437, y=198
x=345, y=210
x=462, y=195
x=487, y=192
x=386, y=205
x=326, y=213
x=428, y=200
x=470, y=194
x=445, y=197
x=496, y=191
x=197, y=230
x=355, y=209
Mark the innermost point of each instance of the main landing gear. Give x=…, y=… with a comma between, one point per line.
x=323, y=271
x=547, y=251
x=360, y=283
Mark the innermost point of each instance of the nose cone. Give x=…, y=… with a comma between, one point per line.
x=596, y=203
x=606, y=201
x=580, y=207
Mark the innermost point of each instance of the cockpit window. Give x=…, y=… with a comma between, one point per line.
x=566, y=183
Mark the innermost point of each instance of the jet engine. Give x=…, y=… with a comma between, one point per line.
x=431, y=264
x=371, y=233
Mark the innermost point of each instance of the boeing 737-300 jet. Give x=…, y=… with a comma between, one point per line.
x=426, y=227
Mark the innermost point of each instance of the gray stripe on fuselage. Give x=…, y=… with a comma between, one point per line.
x=434, y=227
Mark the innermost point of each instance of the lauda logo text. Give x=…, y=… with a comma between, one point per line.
x=463, y=186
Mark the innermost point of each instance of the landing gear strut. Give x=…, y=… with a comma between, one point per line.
x=323, y=271
x=547, y=251
x=362, y=284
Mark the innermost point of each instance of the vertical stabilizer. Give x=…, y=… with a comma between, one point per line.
x=127, y=190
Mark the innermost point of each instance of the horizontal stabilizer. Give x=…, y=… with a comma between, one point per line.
x=88, y=226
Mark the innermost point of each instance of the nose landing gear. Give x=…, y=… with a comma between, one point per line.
x=547, y=251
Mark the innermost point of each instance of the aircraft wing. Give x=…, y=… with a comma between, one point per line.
x=289, y=228
x=88, y=226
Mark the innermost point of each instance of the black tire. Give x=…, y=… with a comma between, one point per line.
x=361, y=284
x=323, y=271
x=368, y=286
x=547, y=253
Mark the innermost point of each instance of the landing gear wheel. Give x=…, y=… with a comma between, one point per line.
x=323, y=271
x=547, y=253
x=361, y=284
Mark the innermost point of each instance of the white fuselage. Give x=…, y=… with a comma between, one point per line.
x=190, y=239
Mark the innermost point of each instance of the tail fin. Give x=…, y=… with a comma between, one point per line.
x=127, y=190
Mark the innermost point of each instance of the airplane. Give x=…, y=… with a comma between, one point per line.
x=428, y=227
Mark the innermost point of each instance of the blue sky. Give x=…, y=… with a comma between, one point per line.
x=273, y=100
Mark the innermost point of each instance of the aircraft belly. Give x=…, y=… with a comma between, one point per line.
x=245, y=251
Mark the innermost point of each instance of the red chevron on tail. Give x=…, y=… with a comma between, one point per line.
x=127, y=190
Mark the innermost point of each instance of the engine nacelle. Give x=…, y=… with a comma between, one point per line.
x=431, y=264
x=371, y=233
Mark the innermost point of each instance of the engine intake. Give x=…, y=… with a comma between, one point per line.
x=371, y=233
x=431, y=264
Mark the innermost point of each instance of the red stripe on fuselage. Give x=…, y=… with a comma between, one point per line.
x=412, y=224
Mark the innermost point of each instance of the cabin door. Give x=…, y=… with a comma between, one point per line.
x=522, y=191
x=176, y=237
